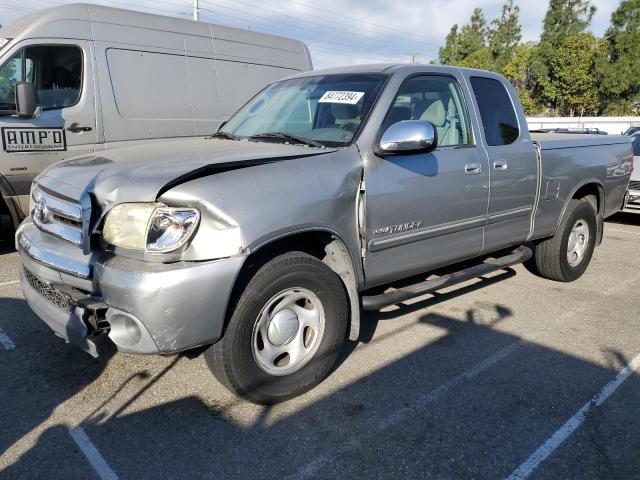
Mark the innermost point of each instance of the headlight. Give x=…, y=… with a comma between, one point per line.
x=150, y=227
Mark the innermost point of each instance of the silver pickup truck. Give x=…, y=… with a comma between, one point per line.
x=265, y=241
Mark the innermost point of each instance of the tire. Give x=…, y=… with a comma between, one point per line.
x=267, y=306
x=551, y=256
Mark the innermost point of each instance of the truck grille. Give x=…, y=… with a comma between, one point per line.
x=57, y=298
x=634, y=185
x=58, y=216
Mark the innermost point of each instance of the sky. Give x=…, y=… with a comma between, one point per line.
x=342, y=32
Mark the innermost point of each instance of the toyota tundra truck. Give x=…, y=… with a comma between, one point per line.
x=263, y=243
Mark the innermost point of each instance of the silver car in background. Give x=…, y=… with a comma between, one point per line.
x=632, y=202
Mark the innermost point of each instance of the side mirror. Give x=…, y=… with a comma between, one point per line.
x=26, y=100
x=408, y=136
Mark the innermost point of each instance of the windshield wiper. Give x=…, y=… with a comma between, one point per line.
x=287, y=136
x=225, y=135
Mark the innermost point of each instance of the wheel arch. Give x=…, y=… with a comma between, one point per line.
x=322, y=243
x=588, y=188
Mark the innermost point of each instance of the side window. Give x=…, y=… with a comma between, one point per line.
x=496, y=110
x=437, y=99
x=55, y=70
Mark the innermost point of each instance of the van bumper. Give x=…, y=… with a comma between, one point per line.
x=143, y=307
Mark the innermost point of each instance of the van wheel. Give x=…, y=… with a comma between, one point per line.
x=285, y=333
x=566, y=256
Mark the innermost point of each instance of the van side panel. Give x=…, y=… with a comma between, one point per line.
x=253, y=47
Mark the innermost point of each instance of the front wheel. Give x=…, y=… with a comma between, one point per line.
x=566, y=256
x=285, y=332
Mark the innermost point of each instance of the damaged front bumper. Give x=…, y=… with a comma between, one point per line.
x=143, y=307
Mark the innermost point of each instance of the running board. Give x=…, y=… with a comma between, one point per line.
x=375, y=302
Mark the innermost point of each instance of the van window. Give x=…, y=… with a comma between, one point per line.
x=496, y=110
x=433, y=98
x=55, y=70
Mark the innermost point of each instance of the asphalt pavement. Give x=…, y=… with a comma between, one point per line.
x=509, y=376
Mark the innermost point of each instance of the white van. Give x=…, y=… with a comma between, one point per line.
x=81, y=78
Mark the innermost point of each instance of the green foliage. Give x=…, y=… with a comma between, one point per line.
x=517, y=71
x=619, y=60
x=568, y=71
x=479, y=59
x=505, y=35
x=450, y=53
x=573, y=69
x=473, y=36
x=564, y=18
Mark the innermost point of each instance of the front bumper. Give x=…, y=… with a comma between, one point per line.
x=632, y=202
x=145, y=307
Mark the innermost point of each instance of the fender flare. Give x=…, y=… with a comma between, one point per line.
x=602, y=200
x=340, y=260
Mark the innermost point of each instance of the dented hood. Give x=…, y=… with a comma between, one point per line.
x=142, y=173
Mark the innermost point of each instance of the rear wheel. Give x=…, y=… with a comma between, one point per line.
x=566, y=256
x=285, y=332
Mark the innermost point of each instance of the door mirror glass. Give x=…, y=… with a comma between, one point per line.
x=408, y=136
x=26, y=100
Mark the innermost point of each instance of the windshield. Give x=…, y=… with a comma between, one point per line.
x=327, y=110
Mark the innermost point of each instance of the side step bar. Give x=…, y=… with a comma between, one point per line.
x=375, y=302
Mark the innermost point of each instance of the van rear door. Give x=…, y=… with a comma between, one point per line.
x=61, y=71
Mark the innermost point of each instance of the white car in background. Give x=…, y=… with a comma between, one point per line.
x=632, y=202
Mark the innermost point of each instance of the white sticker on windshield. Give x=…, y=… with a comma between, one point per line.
x=341, y=97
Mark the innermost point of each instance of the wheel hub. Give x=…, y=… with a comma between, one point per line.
x=283, y=327
x=577, y=244
x=288, y=331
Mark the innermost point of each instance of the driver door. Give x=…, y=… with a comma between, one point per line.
x=62, y=74
x=428, y=209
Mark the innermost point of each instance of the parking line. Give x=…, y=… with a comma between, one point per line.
x=6, y=342
x=354, y=443
x=622, y=231
x=90, y=451
x=542, y=453
x=13, y=282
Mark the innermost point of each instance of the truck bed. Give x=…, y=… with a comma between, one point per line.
x=553, y=141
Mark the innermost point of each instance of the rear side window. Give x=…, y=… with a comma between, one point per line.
x=496, y=110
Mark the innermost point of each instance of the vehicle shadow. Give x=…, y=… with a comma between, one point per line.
x=624, y=219
x=470, y=401
x=7, y=243
x=40, y=373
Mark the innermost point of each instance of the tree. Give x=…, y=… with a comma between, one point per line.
x=480, y=59
x=473, y=35
x=505, y=35
x=450, y=53
x=619, y=62
x=573, y=68
x=564, y=18
x=517, y=71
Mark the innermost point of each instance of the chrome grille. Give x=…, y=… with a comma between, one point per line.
x=634, y=185
x=57, y=216
x=57, y=298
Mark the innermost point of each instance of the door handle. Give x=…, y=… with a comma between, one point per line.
x=472, y=168
x=77, y=128
x=500, y=165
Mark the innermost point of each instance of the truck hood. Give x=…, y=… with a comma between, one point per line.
x=142, y=173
